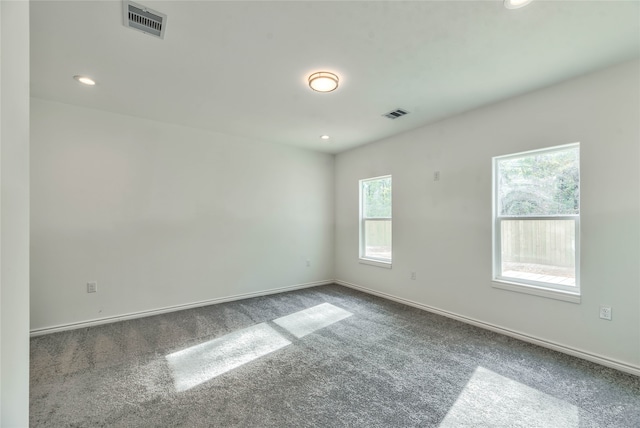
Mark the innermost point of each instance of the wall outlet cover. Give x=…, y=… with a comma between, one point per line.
x=605, y=312
x=92, y=287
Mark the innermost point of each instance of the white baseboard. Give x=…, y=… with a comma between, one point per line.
x=148, y=313
x=599, y=359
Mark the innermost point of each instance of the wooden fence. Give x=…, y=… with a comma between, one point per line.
x=545, y=242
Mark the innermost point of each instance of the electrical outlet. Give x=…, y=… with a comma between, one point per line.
x=413, y=275
x=92, y=287
x=308, y=263
x=605, y=312
x=436, y=176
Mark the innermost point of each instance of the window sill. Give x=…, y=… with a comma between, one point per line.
x=386, y=265
x=537, y=291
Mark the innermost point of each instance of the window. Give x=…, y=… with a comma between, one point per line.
x=375, y=221
x=536, y=225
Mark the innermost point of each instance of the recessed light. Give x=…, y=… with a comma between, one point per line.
x=84, y=80
x=323, y=81
x=515, y=4
x=324, y=137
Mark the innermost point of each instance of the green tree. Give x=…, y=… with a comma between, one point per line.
x=540, y=184
x=377, y=198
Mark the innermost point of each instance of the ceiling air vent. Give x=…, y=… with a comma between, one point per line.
x=143, y=19
x=396, y=113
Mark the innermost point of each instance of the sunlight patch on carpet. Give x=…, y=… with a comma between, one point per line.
x=200, y=363
x=312, y=319
x=489, y=399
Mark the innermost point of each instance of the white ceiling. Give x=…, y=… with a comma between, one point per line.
x=240, y=67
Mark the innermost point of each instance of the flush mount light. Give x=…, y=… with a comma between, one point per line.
x=515, y=4
x=84, y=80
x=323, y=81
x=324, y=137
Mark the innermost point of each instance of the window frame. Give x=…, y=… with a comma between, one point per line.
x=363, y=259
x=540, y=288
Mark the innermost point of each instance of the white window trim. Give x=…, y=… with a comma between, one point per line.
x=378, y=263
x=372, y=261
x=537, y=291
x=537, y=288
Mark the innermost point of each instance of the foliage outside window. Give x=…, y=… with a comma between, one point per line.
x=375, y=219
x=537, y=218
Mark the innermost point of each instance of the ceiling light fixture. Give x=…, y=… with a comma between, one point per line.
x=324, y=137
x=323, y=81
x=516, y=4
x=84, y=80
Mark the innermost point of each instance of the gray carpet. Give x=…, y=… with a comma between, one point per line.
x=321, y=357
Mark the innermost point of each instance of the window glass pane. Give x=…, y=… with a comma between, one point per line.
x=539, y=250
x=540, y=184
x=376, y=198
x=377, y=239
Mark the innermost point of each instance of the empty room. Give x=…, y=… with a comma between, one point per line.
x=320, y=213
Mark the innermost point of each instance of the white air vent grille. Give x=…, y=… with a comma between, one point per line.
x=143, y=19
x=396, y=113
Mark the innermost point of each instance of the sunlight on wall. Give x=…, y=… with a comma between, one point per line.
x=200, y=363
x=197, y=364
x=490, y=399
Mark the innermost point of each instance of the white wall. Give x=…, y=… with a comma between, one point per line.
x=163, y=215
x=14, y=214
x=442, y=230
